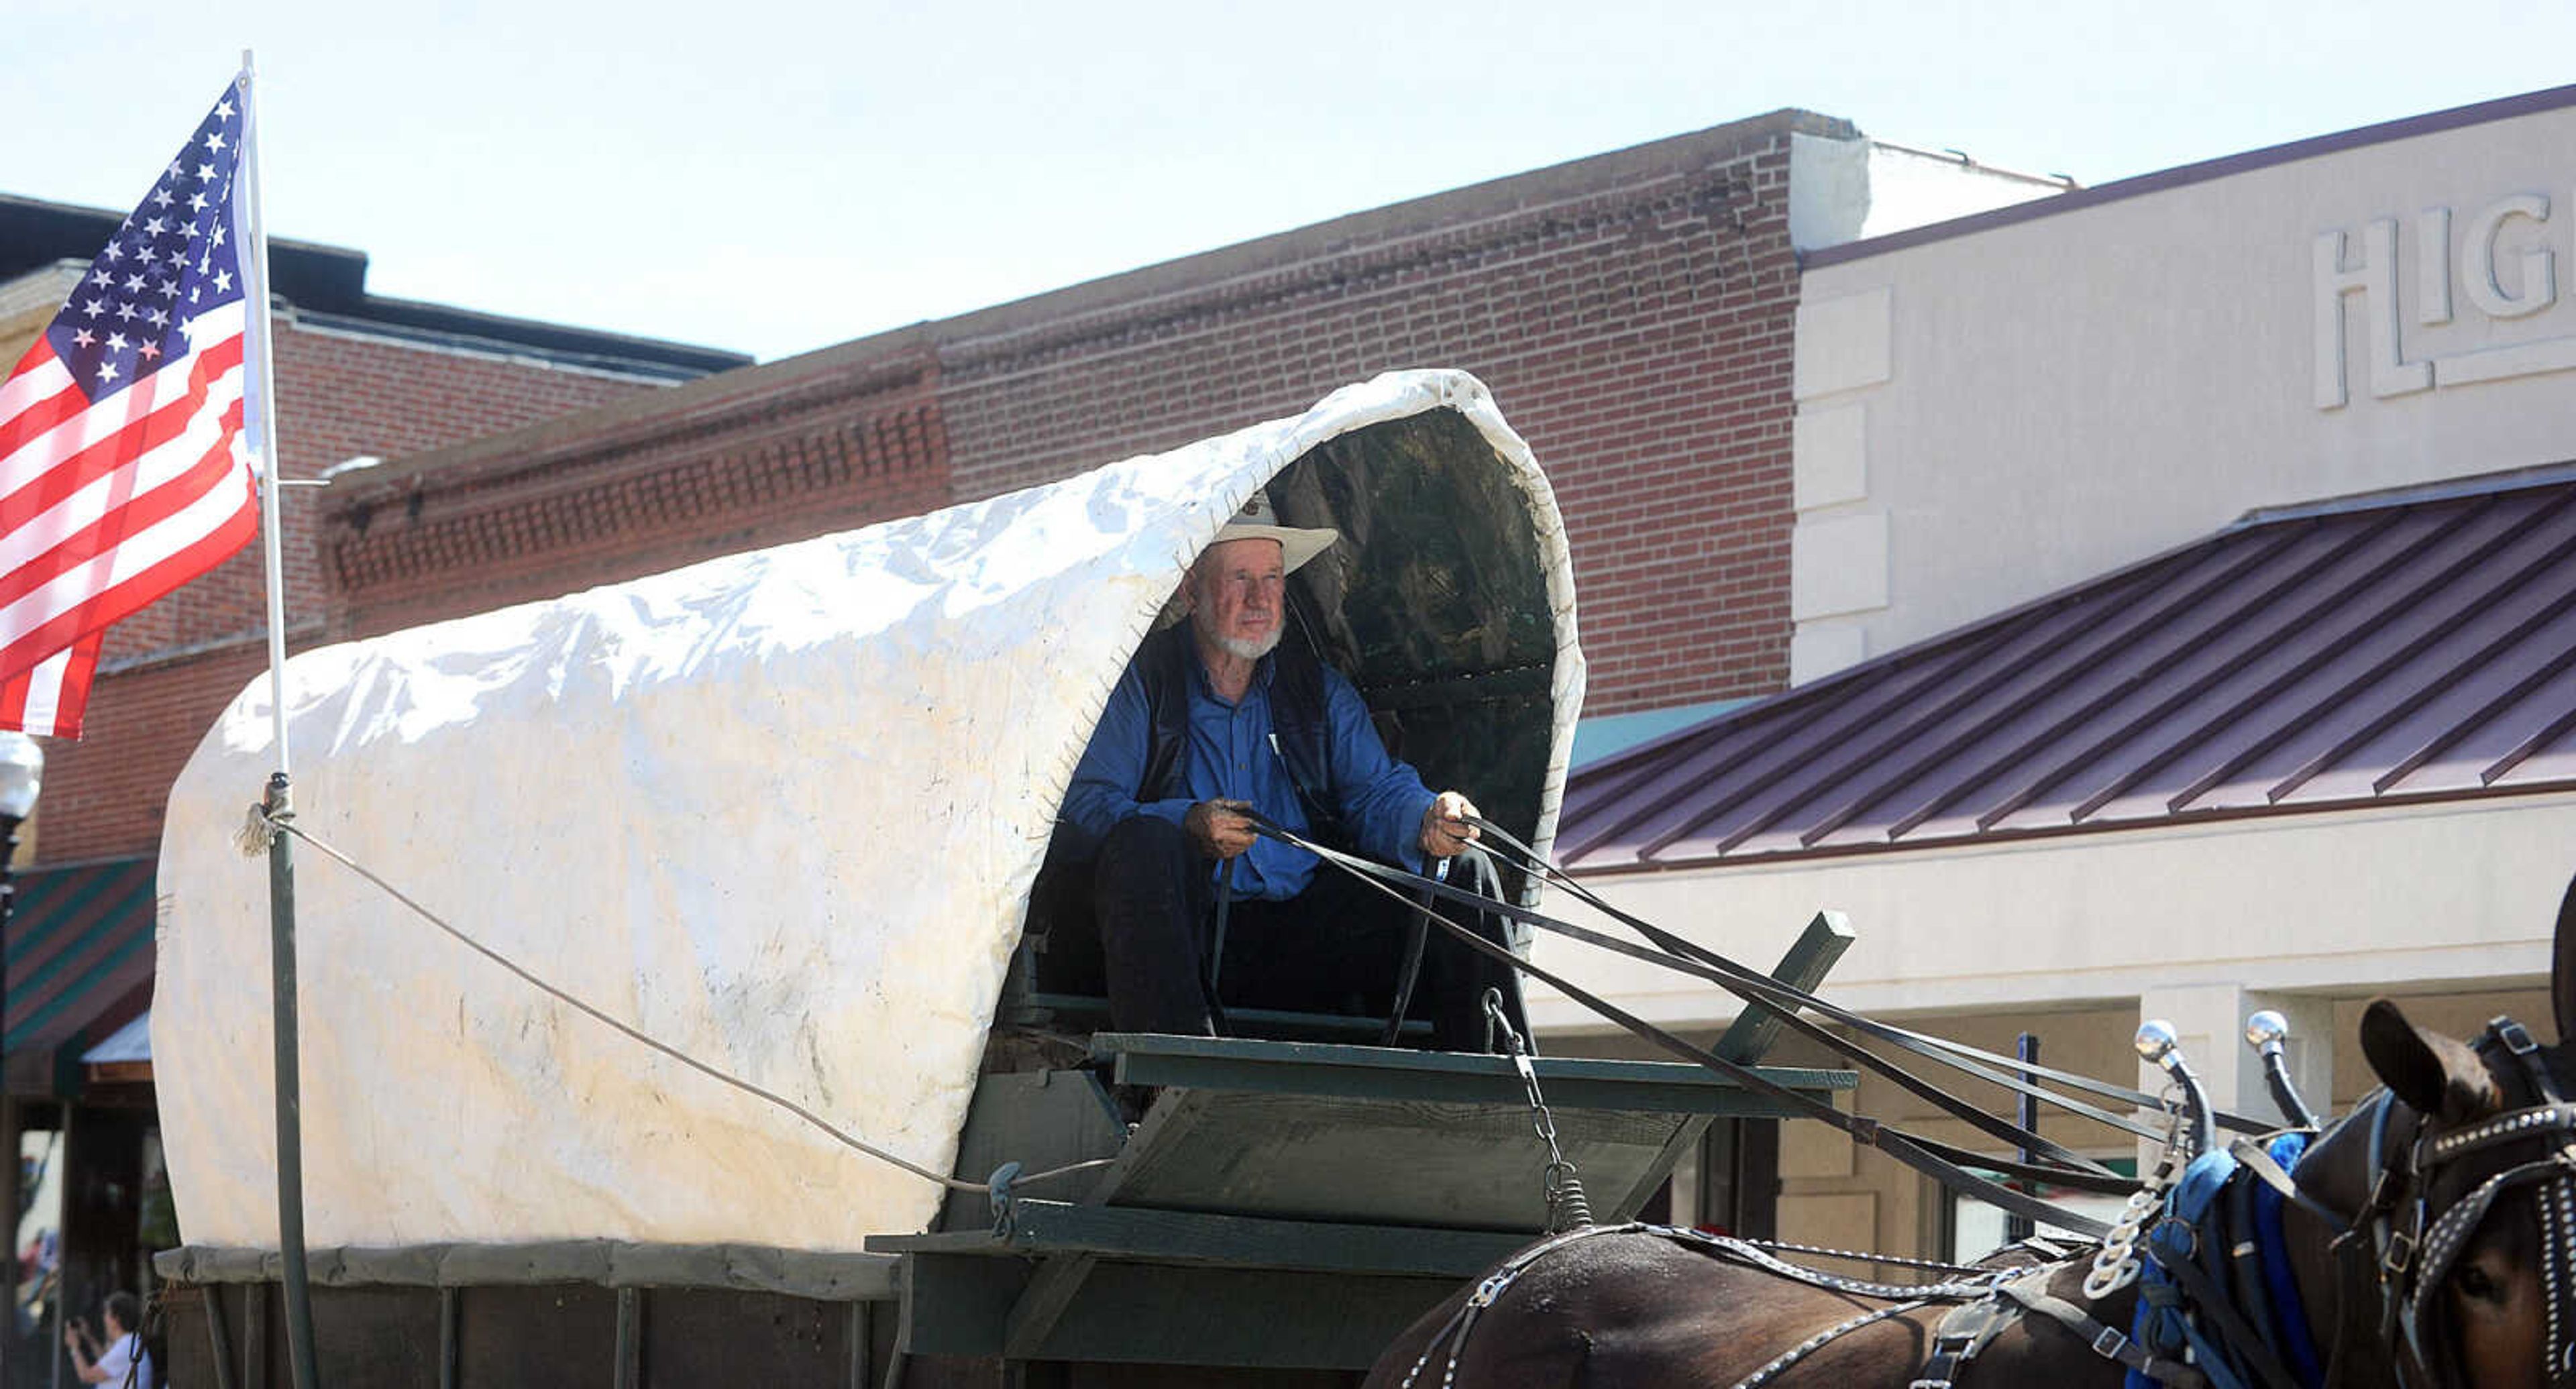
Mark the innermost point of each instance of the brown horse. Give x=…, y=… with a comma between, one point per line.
x=2432, y=1241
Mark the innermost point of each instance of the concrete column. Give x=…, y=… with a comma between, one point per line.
x=2210, y=1020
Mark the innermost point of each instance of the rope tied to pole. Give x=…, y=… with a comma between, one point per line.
x=272, y=818
x=267, y=818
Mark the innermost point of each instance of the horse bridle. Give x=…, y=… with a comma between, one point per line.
x=2396, y=1247
x=2413, y=1250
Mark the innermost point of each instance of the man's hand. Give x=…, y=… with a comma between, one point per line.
x=1445, y=830
x=1221, y=829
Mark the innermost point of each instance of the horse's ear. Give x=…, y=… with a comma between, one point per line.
x=2562, y=966
x=2433, y=1074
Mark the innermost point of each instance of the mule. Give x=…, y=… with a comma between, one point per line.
x=2431, y=1239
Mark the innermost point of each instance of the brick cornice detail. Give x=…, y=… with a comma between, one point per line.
x=713, y=407
x=833, y=440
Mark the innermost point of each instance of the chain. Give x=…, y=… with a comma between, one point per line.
x=2117, y=1264
x=1966, y=1288
x=1567, y=1207
x=1859, y=1256
x=143, y=1335
x=1790, y=1357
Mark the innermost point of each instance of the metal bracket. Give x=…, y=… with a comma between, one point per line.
x=997, y=1189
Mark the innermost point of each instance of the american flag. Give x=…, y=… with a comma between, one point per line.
x=123, y=472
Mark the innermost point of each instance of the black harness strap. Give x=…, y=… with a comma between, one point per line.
x=1748, y=982
x=2242, y=1261
x=1963, y=1331
x=2076, y=1171
x=1212, y=969
x=2108, y=1342
x=2210, y=1300
x=1919, y=1154
x=2253, y=1158
x=1417, y=937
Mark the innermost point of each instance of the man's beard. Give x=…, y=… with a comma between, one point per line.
x=1248, y=648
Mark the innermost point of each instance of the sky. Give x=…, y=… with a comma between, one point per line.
x=774, y=177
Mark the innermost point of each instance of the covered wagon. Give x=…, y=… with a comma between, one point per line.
x=780, y=813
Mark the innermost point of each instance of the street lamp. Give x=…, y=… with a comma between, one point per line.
x=22, y=775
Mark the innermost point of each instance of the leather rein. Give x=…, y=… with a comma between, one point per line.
x=2395, y=1249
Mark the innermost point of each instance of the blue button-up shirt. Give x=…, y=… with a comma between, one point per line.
x=1232, y=756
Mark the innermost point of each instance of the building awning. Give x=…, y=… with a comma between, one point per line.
x=125, y=1058
x=1598, y=736
x=2372, y=651
x=130, y=1043
x=80, y=967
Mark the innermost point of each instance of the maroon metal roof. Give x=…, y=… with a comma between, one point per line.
x=2408, y=647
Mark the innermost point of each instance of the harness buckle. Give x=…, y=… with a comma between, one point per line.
x=2175, y=1237
x=1949, y=1356
x=2110, y=1343
x=2516, y=1037
x=2400, y=1253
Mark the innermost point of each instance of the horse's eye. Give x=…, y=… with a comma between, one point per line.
x=2474, y=1282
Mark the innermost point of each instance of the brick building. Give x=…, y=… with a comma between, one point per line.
x=357, y=375
x=2196, y=641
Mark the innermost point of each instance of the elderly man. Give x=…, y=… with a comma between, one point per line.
x=1211, y=720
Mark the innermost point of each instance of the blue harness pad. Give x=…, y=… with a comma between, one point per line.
x=2194, y=1228
x=2164, y=1325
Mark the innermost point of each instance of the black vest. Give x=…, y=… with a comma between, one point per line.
x=1298, y=724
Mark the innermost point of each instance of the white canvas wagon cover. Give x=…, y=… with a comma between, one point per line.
x=779, y=810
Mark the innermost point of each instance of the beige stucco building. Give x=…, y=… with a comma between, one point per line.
x=2007, y=417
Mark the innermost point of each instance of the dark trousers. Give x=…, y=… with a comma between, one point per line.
x=1337, y=947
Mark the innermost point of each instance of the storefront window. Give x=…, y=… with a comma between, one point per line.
x=38, y=1245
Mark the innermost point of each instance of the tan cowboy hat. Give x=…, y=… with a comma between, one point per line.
x=1258, y=522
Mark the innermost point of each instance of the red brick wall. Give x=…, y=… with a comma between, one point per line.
x=166, y=672
x=104, y=794
x=1634, y=325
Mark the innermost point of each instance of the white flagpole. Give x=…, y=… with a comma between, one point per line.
x=288, y=1086
x=263, y=427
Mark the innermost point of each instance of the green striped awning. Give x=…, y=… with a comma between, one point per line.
x=80, y=966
